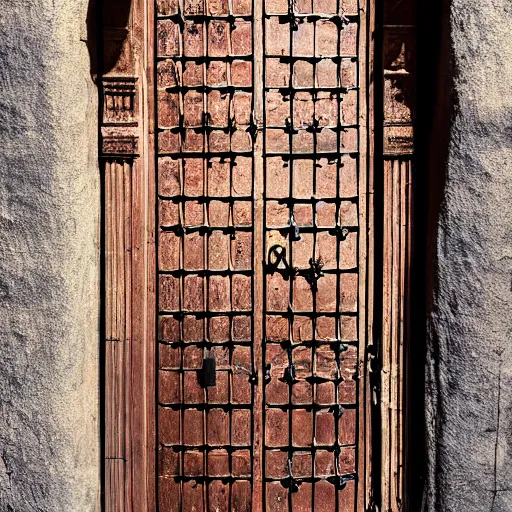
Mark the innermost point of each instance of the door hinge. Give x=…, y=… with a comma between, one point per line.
x=374, y=368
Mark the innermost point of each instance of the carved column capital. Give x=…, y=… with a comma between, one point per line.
x=120, y=127
x=119, y=83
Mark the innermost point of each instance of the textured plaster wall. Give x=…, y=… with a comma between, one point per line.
x=49, y=260
x=469, y=391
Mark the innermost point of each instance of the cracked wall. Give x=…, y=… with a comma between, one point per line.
x=49, y=260
x=469, y=382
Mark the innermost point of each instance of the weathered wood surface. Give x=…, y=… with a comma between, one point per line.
x=127, y=144
x=261, y=141
x=398, y=48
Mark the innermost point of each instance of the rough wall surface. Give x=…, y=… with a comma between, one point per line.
x=469, y=391
x=49, y=265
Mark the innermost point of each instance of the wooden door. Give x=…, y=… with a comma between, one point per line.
x=245, y=186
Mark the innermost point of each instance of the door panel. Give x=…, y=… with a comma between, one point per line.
x=205, y=264
x=310, y=341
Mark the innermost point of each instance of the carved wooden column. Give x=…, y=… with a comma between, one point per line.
x=119, y=145
x=398, y=110
x=128, y=225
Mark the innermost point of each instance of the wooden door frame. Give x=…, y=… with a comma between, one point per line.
x=396, y=91
x=128, y=164
x=365, y=498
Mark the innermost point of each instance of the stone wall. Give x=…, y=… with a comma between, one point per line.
x=49, y=260
x=469, y=381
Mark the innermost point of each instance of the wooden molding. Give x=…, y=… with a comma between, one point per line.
x=398, y=71
x=118, y=269
x=366, y=250
x=397, y=254
x=129, y=259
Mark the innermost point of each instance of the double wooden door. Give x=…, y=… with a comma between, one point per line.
x=261, y=202
x=240, y=158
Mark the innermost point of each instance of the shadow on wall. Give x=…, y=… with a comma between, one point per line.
x=107, y=32
x=432, y=124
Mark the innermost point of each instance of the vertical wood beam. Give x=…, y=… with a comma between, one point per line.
x=117, y=313
x=367, y=245
x=259, y=257
x=398, y=58
x=397, y=253
x=127, y=160
x=143, y=353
